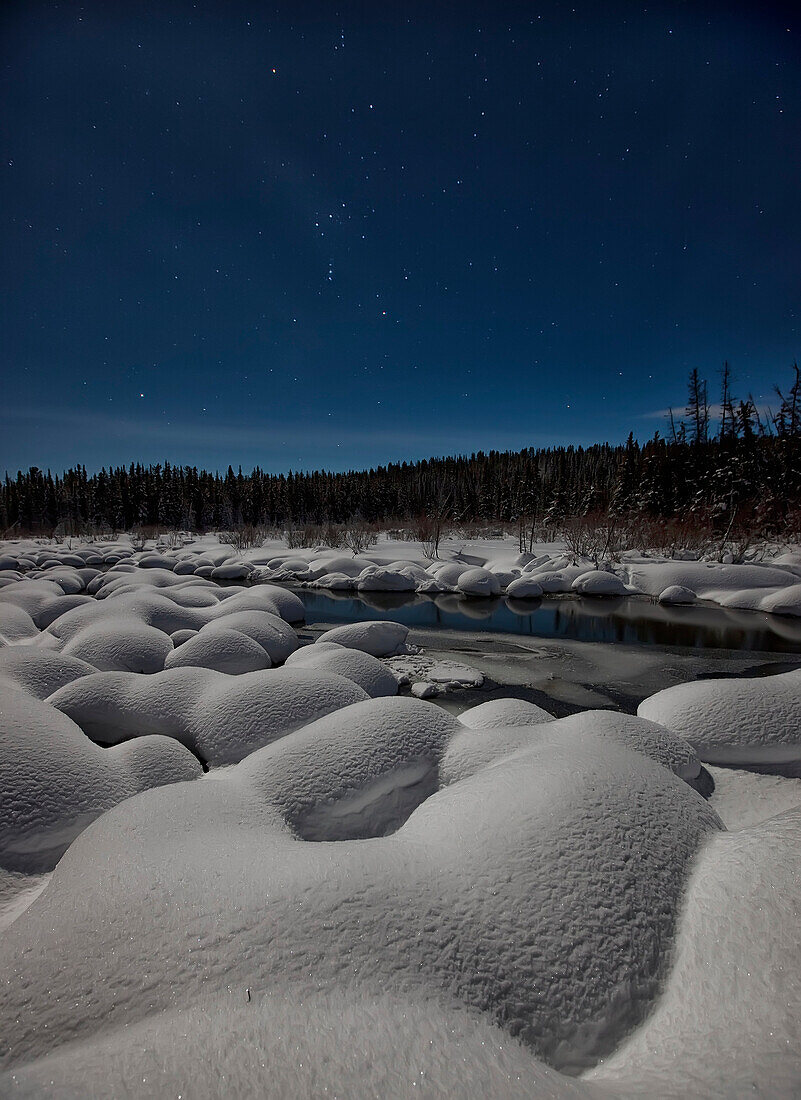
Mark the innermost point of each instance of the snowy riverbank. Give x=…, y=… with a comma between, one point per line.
x=233, y=862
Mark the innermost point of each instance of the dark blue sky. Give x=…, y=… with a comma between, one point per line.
x=332, y=235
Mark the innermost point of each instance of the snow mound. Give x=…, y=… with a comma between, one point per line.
x=335, y=582
x=478, y=582
x=448, y=573
x=676, y=594
x=54, y=781
x=272, y=598
x=786, y=601
x=476, y=747
x=596, y=582
x=744, y=721
x=223, y=649
x=374, y=762
x=156, y=561
x=120, y=646
x=31, y=595
x=269, y=630
x=524, y=587
x=378, y=638
x=16, y=626
x=188, y=605
x=377, y=579
x=504, y=712
x=40, y=672
x=556, y=580
x=366, y=671
x=58, y=606
x=221, y=718
x=69, y=580
x=232, y=571
x=540, y=893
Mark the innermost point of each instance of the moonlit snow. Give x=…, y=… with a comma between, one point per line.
x=236, y=863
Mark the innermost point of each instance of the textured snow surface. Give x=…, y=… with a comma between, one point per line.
x=40, y=672
x=729, y=1015
x=744, y=721
x=357, y=1047
x=742, y=799
x=54, y=780
x=479, y=745
x=560, y=869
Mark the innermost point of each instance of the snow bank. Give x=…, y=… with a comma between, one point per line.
x=743, y=721
x=771, y=586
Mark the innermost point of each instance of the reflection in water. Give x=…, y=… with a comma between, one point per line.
x=579, y=618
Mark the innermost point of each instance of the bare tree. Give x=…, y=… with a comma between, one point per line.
x=431, y=525
x=358, y=535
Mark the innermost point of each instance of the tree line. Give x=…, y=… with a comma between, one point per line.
x=731, y=467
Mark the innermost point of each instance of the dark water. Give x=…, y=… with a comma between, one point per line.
x=625, y=621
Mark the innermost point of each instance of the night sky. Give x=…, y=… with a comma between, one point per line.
x=316, y=235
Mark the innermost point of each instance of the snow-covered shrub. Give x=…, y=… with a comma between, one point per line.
x=358, y=535
x=243, y=538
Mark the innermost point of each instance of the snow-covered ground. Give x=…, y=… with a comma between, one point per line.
x=233, y=864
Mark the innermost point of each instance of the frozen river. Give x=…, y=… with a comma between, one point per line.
x=571, y=653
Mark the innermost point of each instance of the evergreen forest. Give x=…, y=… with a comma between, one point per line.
x=728, y=470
